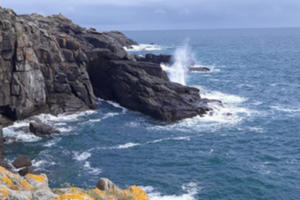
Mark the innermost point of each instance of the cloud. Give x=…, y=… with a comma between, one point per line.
x=160, y=14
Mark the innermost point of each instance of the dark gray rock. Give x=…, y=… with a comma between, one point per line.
x=121, y=38
x=144, y=87
x=1, y=145
x=22, y=161
x=199, y=69
x=158, y=59
x=41, y=129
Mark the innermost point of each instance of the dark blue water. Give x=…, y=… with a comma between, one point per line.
x=252, y=154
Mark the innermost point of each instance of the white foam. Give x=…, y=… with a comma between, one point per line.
x=16, y=132
x=91, y=170
x=286, y=109
x=95, y=120
x=41, y=163
x=46, y=118
x=81, y=156
x=109, y=115
x=187, y=138
x=126, y=146
x=144, y=47
x=183, y=59
x=116, y=105
x=191, y=189
x=52, y=142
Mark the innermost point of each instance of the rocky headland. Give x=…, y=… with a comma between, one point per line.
x=51, y=65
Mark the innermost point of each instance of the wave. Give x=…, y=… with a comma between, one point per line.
x=286, y=109
x=46, y=118
x=114, y=104
x=41, y=163
x=126, y=146
x=52, y=142
x=91, y=170
x=19, y=131
x=191, y=190
x=230, y=112
x=81, y=156
x=187, y=138
x=144, y=47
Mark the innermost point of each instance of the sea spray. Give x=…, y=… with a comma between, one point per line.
x=182, y=59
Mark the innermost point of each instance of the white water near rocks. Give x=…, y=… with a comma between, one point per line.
x=183, y=59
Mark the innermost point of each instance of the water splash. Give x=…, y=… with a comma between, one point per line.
x=183, y=58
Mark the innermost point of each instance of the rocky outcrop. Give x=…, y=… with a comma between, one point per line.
x=35, y=187
x=49, y=64
x=144, y=87
x=41, y=129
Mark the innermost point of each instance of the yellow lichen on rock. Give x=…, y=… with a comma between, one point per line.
x=26, y=185
x=4, y=193
x=138, y=193
x=35, y=187
x=40, y=178
x=74, y=194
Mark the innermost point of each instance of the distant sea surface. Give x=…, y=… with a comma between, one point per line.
x=251, y=153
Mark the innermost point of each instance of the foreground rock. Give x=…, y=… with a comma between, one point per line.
x=35, y=187
x=50, y=65
x=41, y=129
x=23, y=165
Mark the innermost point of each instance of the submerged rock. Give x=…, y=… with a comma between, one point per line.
x=41, y=129
x=199, y=69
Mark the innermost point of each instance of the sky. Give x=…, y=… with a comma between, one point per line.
x=167, y=14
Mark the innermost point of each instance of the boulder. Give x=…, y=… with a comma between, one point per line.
x=22, y=161
x=23, y=165
x=41, y=129
x=105, y=184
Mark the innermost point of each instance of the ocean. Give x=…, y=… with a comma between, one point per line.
x=249, y=148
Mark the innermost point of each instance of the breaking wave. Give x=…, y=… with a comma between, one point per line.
x=191, y=190
x=144, y=47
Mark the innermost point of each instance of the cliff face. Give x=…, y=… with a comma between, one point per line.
x=41, y=69
x=49, y=64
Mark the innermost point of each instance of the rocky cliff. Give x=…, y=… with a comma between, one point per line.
x=51, y=65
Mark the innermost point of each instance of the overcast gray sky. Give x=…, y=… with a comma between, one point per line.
x=167, y=14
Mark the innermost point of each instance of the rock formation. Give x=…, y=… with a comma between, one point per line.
x=50, y=65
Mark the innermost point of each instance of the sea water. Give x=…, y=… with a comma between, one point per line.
x=251, y=153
